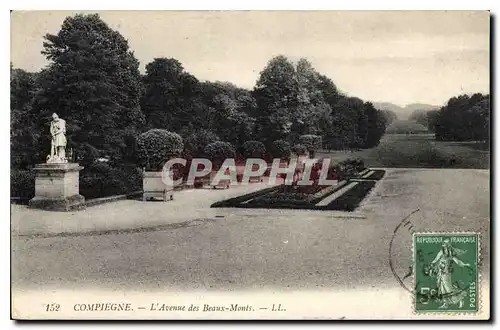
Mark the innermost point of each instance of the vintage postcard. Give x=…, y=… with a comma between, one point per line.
x=250, y=165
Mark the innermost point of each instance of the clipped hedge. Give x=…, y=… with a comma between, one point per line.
x=253, y=149
x=102, y=180
x=311, y=142
x=219, y=150
x=350, y=168
x=195, y=142
x=156, y=146
x=96, y=180
x=22, y=183
x=281, y=149
x=299, y=149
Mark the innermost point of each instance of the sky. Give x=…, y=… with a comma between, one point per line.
x=400, y=57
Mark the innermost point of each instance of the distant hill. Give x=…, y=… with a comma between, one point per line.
x=404, y=112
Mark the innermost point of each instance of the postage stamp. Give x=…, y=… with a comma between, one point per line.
x=446, y=272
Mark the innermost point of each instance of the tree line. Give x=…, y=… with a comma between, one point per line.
x=463, y=118
x=93, y=82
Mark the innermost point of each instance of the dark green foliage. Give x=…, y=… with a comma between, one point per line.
x=235, y=201
x=295, y=100
x=299, y=149
x=305, y=196
x=349, y=168
x=280, y=149
x=22, y=183
x=219, y=151
x=288, y=197
x=276, y=94
x=23, y=127
x=157, y=146
x=253, y=149
x=93, y=82
x=464, y=118
x=196, y=141
x=311, y=142
x=172, y=97
x=375, y=126
x=229, y=112
x=101, y=180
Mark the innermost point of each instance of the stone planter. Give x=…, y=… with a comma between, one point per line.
x=154, y=187
x=224, y=184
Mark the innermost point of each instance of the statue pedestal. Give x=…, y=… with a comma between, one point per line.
x=57, y=187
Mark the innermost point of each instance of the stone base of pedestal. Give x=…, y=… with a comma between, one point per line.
x=57, y=187
x=72, y=203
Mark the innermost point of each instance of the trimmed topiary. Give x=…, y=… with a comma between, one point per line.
x=157, y=146
x=22, y=183
x=195, y=143
x=311, y=142
x=299, y=149
x=253, y=149
x=219, y=151
x=281, y=149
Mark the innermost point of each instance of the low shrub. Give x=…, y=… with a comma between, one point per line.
x=22, y=183
x=219, y=151
x=253, y=149
x=196, y=141
x=299, y=149
x=280, y=149
x=350, y=168
x=96, y=180
x=156, y=146
x=102, y=180
x=311, y=142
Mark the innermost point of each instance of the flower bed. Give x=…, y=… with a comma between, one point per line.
x=308, y=197
x=297, y=194
x=350, y=200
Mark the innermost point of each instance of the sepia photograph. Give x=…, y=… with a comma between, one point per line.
x=250, y=165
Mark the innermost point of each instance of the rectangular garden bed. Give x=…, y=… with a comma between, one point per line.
x=287, y=197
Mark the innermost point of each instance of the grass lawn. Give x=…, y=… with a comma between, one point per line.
x=418, y=151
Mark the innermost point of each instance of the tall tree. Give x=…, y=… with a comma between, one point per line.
x=276, y=95
x=464, y=118
x=24, y=132
x=376, y=123
x=228, y=112
x=93, y=82
x=172, y=96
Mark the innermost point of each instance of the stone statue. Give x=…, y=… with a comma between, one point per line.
x=58, y=143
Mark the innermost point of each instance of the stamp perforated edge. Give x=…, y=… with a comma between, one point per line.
x=478, y=275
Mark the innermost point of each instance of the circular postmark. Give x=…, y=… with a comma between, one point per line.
x=427, y=273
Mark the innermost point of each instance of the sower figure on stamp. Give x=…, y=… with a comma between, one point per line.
x=442, y=268
x=58, y=142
